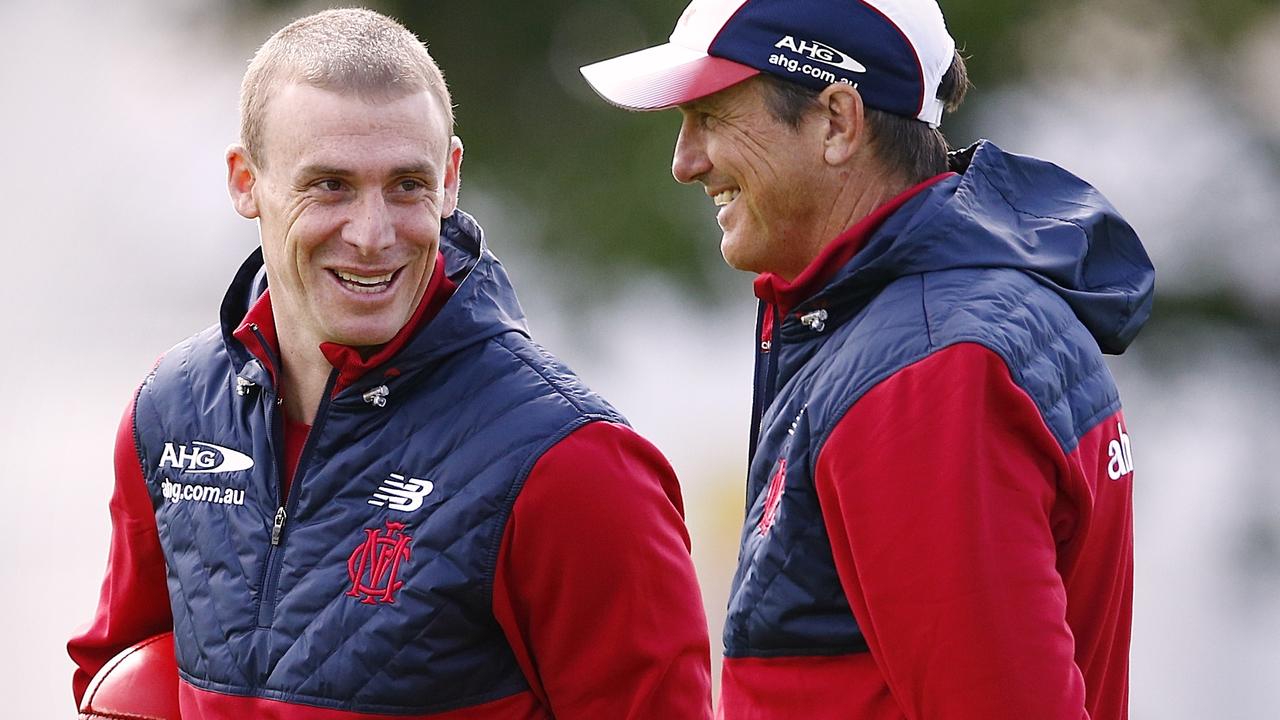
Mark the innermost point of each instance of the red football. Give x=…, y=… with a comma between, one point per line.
x=141, y=683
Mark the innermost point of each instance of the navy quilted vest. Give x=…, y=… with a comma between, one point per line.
x=375, y=593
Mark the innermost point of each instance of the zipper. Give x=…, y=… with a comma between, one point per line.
x=277, y=527
x=289, y=506
x=766, y=373
x=266, y=350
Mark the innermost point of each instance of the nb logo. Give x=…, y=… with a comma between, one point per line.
x=203, y=457
x=399, y=493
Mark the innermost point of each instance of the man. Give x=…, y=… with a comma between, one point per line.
x=366, y=492
x=939, y=519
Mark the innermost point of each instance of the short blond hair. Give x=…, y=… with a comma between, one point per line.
x=350, y=50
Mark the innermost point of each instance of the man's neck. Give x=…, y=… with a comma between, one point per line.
x=788, y=292
x=304, y=374
x=856, y=198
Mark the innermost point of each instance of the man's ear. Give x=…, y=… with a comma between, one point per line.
x=241, y=177
x=452, y=177
x=846, y=122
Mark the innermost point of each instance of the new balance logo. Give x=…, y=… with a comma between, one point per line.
x=1121, y=455
x=203, y=457
x=398, y=493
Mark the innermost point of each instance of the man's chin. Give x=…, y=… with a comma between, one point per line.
x=734, y=256
x=363, y=338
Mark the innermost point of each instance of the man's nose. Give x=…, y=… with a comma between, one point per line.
x=370, y=229
x=689, y=161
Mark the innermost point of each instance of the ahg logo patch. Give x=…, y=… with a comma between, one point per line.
x=203, y=457
x=815, y=50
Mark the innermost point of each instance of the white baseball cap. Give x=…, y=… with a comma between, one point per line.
x=894, y=51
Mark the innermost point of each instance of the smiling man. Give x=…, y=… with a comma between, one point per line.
x=939, y=490
x=366, y=492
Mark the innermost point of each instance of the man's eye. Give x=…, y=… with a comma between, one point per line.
x=410, y=185
x=329, y=185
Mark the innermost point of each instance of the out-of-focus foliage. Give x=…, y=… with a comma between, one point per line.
x=595, y=178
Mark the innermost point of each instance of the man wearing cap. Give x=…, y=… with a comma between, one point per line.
x=367, y=493
x=938, y=512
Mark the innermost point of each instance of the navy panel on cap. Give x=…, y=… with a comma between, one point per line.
x=805, y=42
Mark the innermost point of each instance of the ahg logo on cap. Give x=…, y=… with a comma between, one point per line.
x=815, y=50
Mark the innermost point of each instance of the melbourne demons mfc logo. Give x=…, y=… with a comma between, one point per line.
x=374, y=565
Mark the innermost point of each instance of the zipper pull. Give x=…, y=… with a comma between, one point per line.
x=278, y=526
x=377, y=397
x=244, y=386
x=815, y=320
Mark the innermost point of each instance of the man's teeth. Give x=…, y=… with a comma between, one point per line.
x=362, y=279
x=725, y=197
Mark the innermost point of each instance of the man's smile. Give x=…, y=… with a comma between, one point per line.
x=725, y=197
x=366, y=283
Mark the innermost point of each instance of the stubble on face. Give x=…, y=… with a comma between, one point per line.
x=351, y=198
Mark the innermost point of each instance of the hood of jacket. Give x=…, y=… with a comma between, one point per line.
x=483, y=305
x=1011, y=211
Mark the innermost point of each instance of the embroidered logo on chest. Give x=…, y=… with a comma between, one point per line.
x=772, y=498
x=401, y=493
x=374, y=566
x=778, y=483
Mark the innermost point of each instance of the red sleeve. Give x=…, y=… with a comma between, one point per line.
x=938, y=489
x=134, y=602
x=595, y=587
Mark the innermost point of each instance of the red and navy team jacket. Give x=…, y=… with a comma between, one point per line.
x=398, y=576
x=938, y=519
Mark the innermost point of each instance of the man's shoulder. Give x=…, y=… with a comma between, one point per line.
x=525, y=363
x=1048, y=351
x=198, y=353
x=1003, y=309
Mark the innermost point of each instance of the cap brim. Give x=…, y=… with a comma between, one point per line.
x=663, y=76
